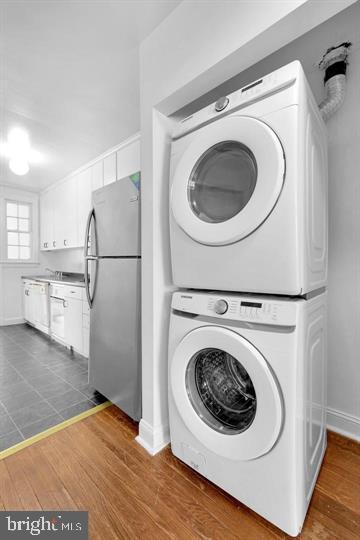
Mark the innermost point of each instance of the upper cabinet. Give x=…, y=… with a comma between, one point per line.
x=65, y=215
x=46, y=220
x=84, y=189
x=64, y=208
x=97, y=175
x=110, y=169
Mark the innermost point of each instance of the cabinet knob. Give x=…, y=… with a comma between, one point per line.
x=65, y=242
x=54, y=243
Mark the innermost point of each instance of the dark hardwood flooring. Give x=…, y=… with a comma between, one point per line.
x=96, y=465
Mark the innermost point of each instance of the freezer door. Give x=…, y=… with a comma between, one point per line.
x=114, y=363
x=117, y=219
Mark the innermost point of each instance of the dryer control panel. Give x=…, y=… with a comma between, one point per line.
x=247, y=308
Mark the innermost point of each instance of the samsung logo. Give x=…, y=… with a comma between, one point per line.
x=186, y=296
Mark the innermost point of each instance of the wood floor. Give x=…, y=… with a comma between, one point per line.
x=96, y=465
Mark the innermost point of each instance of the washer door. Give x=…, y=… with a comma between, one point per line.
x=226, y=393
x=228, y=180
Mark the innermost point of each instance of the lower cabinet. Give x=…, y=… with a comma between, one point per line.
x=67, y=310
x=73, y=323
x=28, y=304
x=36, y=304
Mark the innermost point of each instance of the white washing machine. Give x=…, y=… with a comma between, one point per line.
x=247, y=397
x=248, y=197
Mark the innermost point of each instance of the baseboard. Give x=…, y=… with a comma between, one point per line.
x=344, y=424
x=153, y=439
x=13, y=320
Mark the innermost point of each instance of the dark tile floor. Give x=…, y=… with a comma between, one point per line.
x=41, y=384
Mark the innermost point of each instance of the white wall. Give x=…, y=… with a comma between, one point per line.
x=66, y=260
x=174, y=72
x=10, y=273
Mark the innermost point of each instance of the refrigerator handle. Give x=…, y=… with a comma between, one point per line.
x=88, y=257
x=91, y=217
x=90, y=298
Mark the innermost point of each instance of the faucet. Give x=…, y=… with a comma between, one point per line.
x=56, y=273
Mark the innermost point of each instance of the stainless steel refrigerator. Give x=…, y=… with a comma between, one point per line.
x=112, y=279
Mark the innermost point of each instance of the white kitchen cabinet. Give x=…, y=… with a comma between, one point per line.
x=73, y=323
x=70, y=217
x=65, y=215
x=28, y=304
x=97, y=175
x=46, y=220
x=86, y=328
x=128, y=160
x=84, y=187
x=65, y=206
x=36, y=304
x=110, y=169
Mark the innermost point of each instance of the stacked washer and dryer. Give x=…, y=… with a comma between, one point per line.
x=247, y=343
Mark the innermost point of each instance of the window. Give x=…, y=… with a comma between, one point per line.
x=18, y=231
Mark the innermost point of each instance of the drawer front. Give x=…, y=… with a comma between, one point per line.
x=73, y=292
x=57, y=290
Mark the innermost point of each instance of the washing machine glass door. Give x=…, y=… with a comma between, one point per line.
x=226, y=393
x=228, y=180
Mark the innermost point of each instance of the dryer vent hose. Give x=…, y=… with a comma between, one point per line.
x=334, y=62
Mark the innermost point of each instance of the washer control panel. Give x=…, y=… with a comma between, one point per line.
x=253, y=309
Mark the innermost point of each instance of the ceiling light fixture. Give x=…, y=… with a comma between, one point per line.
x=19, y=166
x=18, y=150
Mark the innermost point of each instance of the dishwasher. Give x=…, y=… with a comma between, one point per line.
x=57, y=312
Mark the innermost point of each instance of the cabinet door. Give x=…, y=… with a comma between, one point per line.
x=83, y=181
x=46, y=220
x=26, y=302
x=70, y=229
x=32, y=304
x=65, y=215
x=73, y=323
x=58, y=216
x=97, y=175
x=110, y=169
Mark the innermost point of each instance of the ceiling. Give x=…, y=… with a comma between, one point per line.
x=69, y=75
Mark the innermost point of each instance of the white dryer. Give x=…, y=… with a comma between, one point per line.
x=248, y=197
x=247, y=397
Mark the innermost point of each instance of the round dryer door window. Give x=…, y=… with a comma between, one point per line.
x=222, y=182
x=228, y=180
x=226, y=393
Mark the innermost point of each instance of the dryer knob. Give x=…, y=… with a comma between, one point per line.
x=221, y=307
x=221, y=104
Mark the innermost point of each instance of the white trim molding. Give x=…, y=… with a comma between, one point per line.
x=153, y=439
x=10, y=321
x=345, y=424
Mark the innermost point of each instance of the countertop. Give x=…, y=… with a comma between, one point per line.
x=67, y=279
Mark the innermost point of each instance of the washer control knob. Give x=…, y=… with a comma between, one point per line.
x=221, y=104
x=221, y=307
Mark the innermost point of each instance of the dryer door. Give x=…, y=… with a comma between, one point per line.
x=228, y=180
x=226, y=393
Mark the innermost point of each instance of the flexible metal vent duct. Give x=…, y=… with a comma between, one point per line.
x=334, y=62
